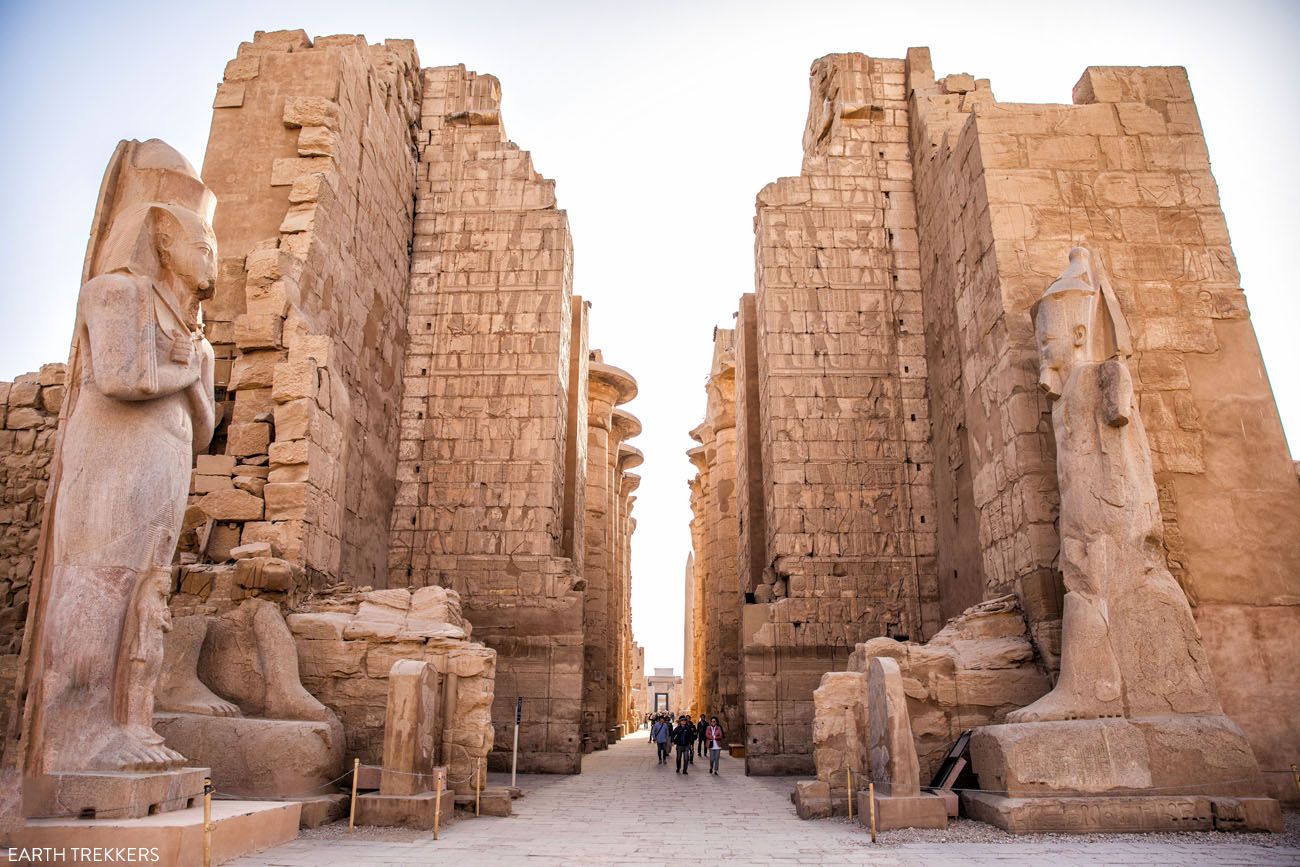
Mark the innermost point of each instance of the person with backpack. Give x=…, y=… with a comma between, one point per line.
x=661, y=733
x=684, y=739
x=699, y=732
x=714, y=736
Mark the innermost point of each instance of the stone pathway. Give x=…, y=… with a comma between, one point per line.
x=626, y=809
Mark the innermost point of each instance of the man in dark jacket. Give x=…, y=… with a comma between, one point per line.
x=699, y=734
x=684, y=740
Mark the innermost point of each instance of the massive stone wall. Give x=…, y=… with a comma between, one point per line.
x=717, y=568
x=1006, y=188
x=29, y=414
x=310, y=156
x=494, y=456
x=936, y=357
x=838, y=375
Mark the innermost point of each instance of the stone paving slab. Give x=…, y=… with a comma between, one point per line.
x=626, y=809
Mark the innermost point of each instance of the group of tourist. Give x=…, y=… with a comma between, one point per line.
x=690, y=739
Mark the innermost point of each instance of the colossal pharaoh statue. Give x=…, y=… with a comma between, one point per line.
x=1135, y=711
x=1129, y=645
x=140, y=404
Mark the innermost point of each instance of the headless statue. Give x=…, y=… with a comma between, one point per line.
x=140, y=406
x=1130, y=647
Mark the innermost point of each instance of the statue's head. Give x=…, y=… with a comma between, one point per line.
x=1077, y=320
x=187, y=247
x=157, y=240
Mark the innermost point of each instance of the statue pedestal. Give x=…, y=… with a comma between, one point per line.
x=239, y=828
x=1146, y=774
x=259, y=758
x=113, y=794
x=1123, y=813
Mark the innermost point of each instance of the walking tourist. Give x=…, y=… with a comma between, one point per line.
x=684, y=739
x=699, y=732
x=714, y=735
x=661, y=734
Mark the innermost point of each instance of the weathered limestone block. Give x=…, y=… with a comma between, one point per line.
x=232, y=505
x=410, y=729
x=839, y=745
x=974, y=671
x=891, y=751
x=894, y=769
x=350, y=642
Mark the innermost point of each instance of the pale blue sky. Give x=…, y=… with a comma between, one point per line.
x=660, y=123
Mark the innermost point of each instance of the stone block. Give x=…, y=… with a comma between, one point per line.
x=406, y=811
x=248, y=438
x=812, y=799
x=258, y=331
x=309, y=111
x=231, y=505
x=1121, y=813
x=214, y=465
x=258, y=758
x=285, y=501
x=894, y=812
x=321, y=810
x=1177, y=754
x=121, y=795
x=239, y=828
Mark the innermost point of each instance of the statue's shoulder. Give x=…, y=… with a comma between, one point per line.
x=112, y=290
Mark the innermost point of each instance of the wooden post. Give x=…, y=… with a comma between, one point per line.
x=352, y=811
x=437, y=807
x=871, y=806
x=850, y=773
x=478, y=782
x=207, y=822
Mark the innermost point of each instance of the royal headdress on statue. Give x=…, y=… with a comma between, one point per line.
x=1084, y=283
x=141, y=174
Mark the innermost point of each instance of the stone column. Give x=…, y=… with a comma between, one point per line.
x=623, y=426
x=698, y=691
x=629, y=457
x=607, y=386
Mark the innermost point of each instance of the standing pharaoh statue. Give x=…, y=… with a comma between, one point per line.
x=1130, y=647
x=140, y=405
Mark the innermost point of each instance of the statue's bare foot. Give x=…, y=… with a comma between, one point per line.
x=198, y=699
x=290, y=700
x=125, y=751
x=1061, y=705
